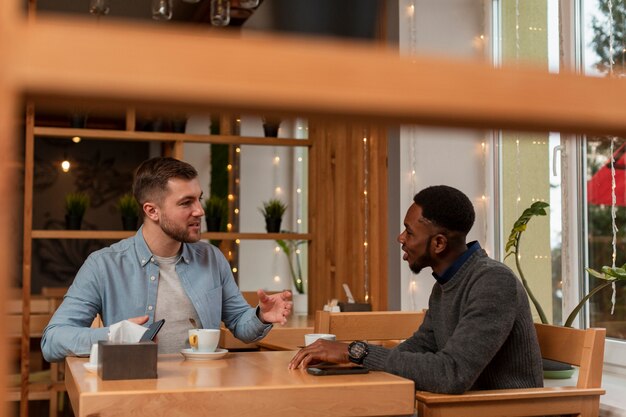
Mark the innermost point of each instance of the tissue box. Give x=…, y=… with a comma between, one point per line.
x=127, y=361
x=355, y=306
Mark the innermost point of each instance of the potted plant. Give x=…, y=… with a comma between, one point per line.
x=273, y=211
x=271, y=126
x=609, y=274
x=290, y=249
x=129, y=210
x=215, y=211
x=75, y=206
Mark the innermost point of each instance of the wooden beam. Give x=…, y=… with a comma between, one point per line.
x=304, y=76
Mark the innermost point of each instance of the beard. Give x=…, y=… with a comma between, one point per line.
x=423, y=260
x=180, y=234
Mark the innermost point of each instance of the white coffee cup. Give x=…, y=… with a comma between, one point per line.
x=93, y=355
x=204, y=340
x=312, y=337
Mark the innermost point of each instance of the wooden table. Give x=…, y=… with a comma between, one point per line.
x=241, y=384
x=288, y=336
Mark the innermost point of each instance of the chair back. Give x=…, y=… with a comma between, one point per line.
x=369, y=325
x=582, y=348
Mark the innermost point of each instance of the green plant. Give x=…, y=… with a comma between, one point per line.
x=513, y=247
x=273, y=209
x=76, y=204
x=290, y=248
x=608, y=273
x=128, y=205
x=215, y=207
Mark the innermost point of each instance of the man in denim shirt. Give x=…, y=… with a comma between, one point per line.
x=164, y=271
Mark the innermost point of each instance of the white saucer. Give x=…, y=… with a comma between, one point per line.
x=90, y=367
x=190, y=355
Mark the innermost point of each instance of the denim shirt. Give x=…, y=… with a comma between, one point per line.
x=120, y=282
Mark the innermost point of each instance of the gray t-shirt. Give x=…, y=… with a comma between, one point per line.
x=174, y=306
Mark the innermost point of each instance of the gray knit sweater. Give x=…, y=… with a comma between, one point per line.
x=478, y=334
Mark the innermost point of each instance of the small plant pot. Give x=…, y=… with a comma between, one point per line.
x=78, y=120
x=73, y=222
x=178, y=125
x=271, y=129
x=272, y=225
x=213, y=224
x=129, y=222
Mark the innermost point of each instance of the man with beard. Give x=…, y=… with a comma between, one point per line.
x=164, y=271
x=478, y=332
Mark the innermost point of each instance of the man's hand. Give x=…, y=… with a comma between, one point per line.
x=139, y=320
x=275, y=308
x=320, y=351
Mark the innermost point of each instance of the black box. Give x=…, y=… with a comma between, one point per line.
x=127, y=361
x=354, y=306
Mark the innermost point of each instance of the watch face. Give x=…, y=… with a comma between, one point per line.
x=358, y=350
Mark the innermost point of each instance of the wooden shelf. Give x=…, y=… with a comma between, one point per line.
x=120, y=234
x=127, y=135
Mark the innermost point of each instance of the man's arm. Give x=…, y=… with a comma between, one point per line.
x=69, y=332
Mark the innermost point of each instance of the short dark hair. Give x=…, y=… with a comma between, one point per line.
x=446, y=207
x=152, y=175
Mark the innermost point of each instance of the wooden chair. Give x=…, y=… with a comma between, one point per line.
x=369, y=325
x=583, y=348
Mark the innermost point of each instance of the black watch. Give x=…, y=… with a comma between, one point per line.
x=357, y=351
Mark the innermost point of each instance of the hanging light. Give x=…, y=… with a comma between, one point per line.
x=220, y=12
x=65, y=165
x=248, y=4
x=162, y=9
x=99, y=7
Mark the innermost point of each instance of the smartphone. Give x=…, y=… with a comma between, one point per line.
x=336, y=370
x=152, y=331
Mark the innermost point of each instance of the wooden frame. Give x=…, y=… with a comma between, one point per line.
x=371, y=325
x=583, y=348
x=43, y=56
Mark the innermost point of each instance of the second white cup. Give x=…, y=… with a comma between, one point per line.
x=312, y=337
x=204, y=340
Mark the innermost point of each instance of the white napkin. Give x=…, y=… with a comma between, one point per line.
x=126, y=332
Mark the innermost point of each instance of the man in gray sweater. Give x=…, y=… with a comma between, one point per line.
x=478, y=332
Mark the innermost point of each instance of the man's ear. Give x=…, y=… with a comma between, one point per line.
x=439, y=243
x=151, y=210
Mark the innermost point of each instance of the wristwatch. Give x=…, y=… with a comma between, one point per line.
x=357, y=351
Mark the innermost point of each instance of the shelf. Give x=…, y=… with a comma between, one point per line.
x=128, y=135
x=120, y=234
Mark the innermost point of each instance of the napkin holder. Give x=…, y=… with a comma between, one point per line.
x=127, y=360
x=354, y=306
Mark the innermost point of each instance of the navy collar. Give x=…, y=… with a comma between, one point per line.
x=458, y=263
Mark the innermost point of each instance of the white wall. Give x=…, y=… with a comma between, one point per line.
x=440, y=156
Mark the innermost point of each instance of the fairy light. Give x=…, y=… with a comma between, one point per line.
x=65, y=166
x=276, y=278
x=235, y=270
x=76, y=139
x=237, y=241
x=277, y=249
x=613, y=217
x=366, y=214
x=236, y=211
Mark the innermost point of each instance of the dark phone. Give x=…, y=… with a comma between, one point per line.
x=336, y=370
x=152, y=331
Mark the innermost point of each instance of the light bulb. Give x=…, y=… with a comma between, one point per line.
x=220, y=12
x=99, y=7
x=65, y=165
x=162, y=9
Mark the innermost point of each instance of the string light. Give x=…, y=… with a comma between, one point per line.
x=366, y=214
x=76, y=139
x=613, y=217
x=65, y=166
